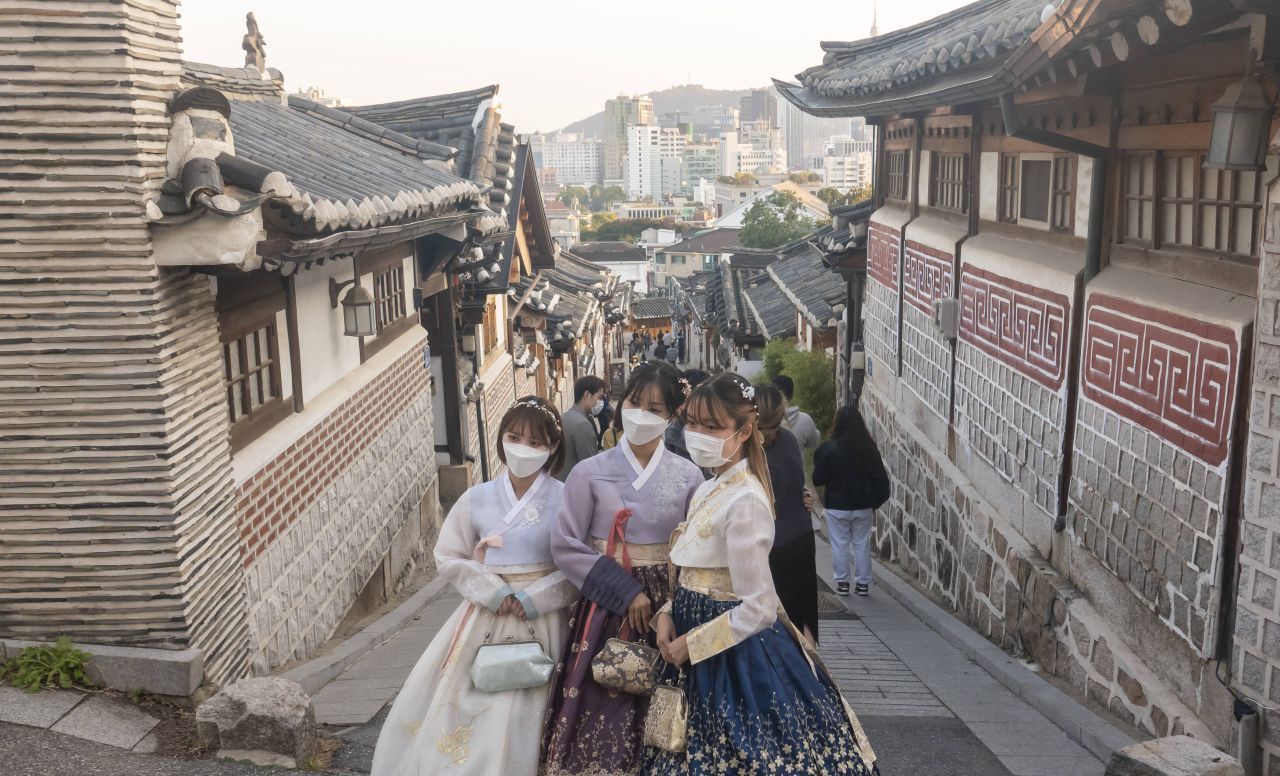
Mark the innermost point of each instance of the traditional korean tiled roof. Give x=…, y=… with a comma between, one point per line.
x=773, y=312
x=244, y=82
x=656, y=307
x=342, y=178
x=951, y=52
x=468, y=121
x=610, y=251
x=803, y=278
x=726, y=301
x=709, y=241
x=848, y=230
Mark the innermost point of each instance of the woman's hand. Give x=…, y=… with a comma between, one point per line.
x=677, y=651
x=511, y=605
x=808, y=499
x=665, y=630
x=639, y=613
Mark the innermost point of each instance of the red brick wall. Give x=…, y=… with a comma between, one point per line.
x=270, y=500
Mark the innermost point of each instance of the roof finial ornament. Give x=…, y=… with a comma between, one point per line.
x=254, y=45
x=875, y=15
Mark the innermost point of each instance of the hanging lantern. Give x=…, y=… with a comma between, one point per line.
x=1241, y=125
x=357, y=308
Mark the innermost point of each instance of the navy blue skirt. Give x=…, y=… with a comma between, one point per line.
x=757, y=708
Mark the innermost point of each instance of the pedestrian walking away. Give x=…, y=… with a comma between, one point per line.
x=793, y=558
x=797, y=421
x=611, y=540
x=849, y=466
x=494, y=548
x=757, y=695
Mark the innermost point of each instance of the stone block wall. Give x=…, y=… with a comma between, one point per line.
x=880, y=304
x=1256, y=660
x=926, y=354
x=499, y=394
x=317, y=520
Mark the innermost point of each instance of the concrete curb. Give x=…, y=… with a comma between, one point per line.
x=315, y=674
x=1093, y=732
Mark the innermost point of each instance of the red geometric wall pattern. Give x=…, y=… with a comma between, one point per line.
x=883, y=243
x=1171, y=374
x=1019, y=324
x=926, y=275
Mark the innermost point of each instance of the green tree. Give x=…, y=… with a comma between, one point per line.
x=571, y=193
x=775, y=220
x=601, y=197
x=739, y=179
x=775, y=353
x=814, y=376
x=836, y=198
x=804, y=177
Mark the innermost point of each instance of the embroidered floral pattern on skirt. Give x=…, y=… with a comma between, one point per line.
x=590, y=730
x=757, y=708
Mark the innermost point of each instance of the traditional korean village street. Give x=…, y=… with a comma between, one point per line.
x=374, y=378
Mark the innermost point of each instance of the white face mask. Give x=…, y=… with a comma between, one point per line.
x=598, y=407
x=642, y=427
x=707, y=451
x=523, y=460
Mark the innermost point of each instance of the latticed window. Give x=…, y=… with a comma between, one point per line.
x=251, y=367
x=1171, y=201
x=388, y=295
x=490, y=325
x=1009, y=188
x=950, y=189
x=1062, y=209
x=898, y=174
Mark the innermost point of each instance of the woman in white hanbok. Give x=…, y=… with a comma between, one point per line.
x=495, y=549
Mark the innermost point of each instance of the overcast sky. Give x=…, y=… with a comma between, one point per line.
x=557, y=62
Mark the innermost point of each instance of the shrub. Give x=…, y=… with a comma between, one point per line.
x=815, y=385
x=774, y=352
x=58, y=665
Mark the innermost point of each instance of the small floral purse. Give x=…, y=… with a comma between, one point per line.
x=666, y=725
x=626, y=666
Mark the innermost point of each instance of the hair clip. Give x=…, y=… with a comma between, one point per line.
x=686, y=388
x=539, y=405
x=749, y=393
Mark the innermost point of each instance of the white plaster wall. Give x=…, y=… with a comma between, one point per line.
x=286, y=361
x=922, y=176
x=1084, y=182
x=327, y=354
x=989, y=186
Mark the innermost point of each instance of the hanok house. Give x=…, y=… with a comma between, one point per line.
x=1062, y=366
x=735, y=331
x=217, y=417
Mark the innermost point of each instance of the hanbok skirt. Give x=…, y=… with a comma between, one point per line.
x=760, y=707
x=590, y=730
x=441, y=724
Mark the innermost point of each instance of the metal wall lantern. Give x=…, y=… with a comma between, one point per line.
x=1241, y=124
x=357, y=308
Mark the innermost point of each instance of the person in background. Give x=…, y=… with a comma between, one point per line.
x=849, y=466
x=796, y=421
x=602, y=421
x=660, y=351
x=674, y=438
x=793, y=558
x=579, y=432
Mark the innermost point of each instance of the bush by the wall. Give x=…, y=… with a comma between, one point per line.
x=812, y=372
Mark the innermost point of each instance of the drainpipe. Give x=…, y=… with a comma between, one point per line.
x=1092, y=266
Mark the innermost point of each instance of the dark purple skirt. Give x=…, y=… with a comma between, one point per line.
x=590, y=729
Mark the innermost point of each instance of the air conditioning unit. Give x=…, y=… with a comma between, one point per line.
x=858, y=360
x=946, y=315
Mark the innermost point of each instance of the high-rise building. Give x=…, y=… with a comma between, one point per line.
x=620, y=114
x=759, y=105
x=714, y=120
x=760, y=146
x=807, y=136
x=847, y=163
x=576, y=160
x=701, y=160
x=647, y=173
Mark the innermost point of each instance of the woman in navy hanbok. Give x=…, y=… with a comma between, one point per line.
x=760, y=700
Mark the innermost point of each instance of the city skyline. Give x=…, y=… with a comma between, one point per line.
x=305, y=42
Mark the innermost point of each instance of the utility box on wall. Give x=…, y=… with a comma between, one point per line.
x=946, y=316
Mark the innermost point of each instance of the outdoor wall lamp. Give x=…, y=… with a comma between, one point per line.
x=357, y=308
x=1241, y=123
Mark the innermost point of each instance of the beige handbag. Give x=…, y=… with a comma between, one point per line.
x=666, y=725
x=626, y=666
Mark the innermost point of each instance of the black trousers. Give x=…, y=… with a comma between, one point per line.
x=795, y=577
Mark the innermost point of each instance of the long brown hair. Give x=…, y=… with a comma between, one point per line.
x=727, y=399
x=772, y=406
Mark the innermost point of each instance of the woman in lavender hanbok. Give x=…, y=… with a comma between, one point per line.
x=634, y=494
x=494, y=548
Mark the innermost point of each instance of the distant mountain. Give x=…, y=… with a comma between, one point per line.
x=682, y=98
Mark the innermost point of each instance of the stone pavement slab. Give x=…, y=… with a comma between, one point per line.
x=107, y=721
x=357, y=694
x=40, y=709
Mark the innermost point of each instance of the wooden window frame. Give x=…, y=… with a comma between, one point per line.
x=897, y=178
x=1062, y=194
x=1010, y=178
x=380, y=267
x=1198, y=202
x=236, y=327
x=949, y=176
